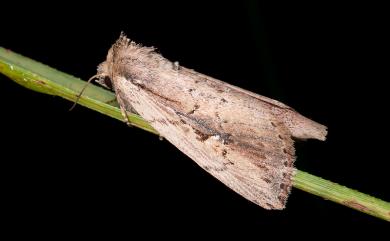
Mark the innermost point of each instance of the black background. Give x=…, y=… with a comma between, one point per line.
x=68, y=171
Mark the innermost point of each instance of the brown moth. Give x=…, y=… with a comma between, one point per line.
x=241, y=138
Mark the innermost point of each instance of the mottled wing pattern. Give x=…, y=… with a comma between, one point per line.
x=256, y=163
x=242, y=139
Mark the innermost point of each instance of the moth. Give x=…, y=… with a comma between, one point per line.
x=243, y=139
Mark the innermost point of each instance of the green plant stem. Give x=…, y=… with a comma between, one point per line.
x=44, y=79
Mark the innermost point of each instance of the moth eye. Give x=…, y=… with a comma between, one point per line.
x=107, y=82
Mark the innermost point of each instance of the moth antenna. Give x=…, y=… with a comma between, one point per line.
x=81, y=92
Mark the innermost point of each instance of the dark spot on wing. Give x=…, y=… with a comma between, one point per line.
x=288, y=151
x=175, y=123
x=282, y=199
x=226, y=138
x=196, y=107
x=162, y=121
x=185, y=129
x=201, y=136
x=221, y=169
x=266, y=180
x=269, y=205
x=261, y=166
x=229, y=162
x=215, y=169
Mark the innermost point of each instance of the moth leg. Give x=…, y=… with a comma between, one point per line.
x=125, y=116
x=123, y=110
x=132, y=110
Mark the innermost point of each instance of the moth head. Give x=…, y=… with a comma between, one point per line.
x=104, y=72
x=103, y=76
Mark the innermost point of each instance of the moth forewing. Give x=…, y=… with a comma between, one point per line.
x=241, y=138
